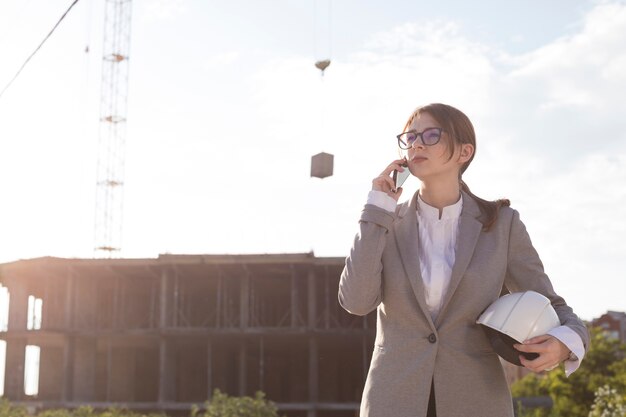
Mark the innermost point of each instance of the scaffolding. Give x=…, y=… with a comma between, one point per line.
x=161, y=334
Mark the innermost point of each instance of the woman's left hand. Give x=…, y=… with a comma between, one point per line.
x=550, y=349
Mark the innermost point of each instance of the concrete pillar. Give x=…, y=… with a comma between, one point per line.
x=14, y=370
x=294, y=298
x=209, y=370
x=218, y=299
x=116, y=303
x=109, y=372
x=163, y=299
x=261, y=363
x=15, y=349
x=67, y=392
x=174, y=312
x=242, y=368
x=167, y=371
x=244, y=305
x=69, y=299
x=313, y=374
x=312, y=299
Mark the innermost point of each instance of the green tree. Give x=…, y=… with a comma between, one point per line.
x=604, y=363
x=224, y=406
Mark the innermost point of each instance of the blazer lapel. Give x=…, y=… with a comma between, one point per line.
x=467, y=237
x=406, y=233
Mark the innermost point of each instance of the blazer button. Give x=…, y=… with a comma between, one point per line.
x=432, y=338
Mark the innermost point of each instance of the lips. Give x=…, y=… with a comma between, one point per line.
x=418, y=159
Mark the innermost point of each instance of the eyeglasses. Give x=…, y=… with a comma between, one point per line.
x=428, y=137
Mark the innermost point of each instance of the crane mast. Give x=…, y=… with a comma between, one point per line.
x=112, y=128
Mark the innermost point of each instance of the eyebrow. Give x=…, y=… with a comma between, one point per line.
x=430, y=127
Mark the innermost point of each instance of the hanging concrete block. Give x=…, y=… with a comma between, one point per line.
x=322, y=165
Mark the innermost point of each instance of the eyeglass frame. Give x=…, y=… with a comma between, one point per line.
x=419, y=135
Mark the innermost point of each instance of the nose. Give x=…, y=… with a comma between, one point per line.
x=417, y=143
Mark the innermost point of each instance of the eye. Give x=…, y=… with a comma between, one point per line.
x=431, y=136
x=410, y=137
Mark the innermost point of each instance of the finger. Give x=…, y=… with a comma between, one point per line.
x=403, y=163
x=390, y=183
x=393, y=166
x=538, y=339
x=535, y=348
x=528, y=364
x=383, y=181
x=535, y=365
x=537, y=362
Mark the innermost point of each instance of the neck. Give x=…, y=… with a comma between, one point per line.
x=440, y=193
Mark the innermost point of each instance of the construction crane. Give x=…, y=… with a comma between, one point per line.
x=112, y=129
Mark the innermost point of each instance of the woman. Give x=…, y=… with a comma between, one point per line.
x=430, y=266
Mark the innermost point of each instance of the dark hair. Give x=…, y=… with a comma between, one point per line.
x=460, y=130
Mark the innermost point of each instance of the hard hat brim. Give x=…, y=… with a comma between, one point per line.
x=503, y=345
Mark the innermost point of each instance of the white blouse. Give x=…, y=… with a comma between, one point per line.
x=437, y=239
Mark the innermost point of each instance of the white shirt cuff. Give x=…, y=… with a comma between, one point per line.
x=382, y=200
x=573, y=342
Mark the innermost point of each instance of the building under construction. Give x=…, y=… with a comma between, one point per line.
x=161, y=334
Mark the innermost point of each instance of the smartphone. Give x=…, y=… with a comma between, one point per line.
x=400, y=177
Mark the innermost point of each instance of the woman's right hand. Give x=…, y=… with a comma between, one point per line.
x=385, y=183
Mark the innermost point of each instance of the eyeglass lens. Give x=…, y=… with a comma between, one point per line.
x=429, y=137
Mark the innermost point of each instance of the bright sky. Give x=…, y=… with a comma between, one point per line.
x=226, y=109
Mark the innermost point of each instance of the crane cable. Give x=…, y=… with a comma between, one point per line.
x=37, y=49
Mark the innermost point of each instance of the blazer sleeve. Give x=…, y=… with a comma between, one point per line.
x=525, y=272
x=360, y=285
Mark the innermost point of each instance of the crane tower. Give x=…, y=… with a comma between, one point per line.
x=112, y=129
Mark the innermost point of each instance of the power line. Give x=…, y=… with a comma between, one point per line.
x=37, y=49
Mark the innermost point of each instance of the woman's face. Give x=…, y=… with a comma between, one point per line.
x=428, y=162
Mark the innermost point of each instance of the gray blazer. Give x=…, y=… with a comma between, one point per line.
x=382, y=272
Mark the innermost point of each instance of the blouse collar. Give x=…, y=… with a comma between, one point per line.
x=428, y=212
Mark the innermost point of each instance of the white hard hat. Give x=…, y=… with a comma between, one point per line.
x=514, y=318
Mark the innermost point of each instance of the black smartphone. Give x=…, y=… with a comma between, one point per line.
x=400, y=177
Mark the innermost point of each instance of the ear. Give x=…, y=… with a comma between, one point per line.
x=467, y=150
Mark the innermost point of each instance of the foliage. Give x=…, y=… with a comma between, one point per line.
x=604, y=363
x=9, y=410
x=220, y=406
x=534, y=412
x=608, y=403
x=224, y=406
x=87, y=411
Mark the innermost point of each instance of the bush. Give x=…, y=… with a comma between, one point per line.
x=608, y=403
x=224, y=406
x=221, y=405
x=9, y=410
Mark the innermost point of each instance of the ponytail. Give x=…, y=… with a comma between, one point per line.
x=489, y=208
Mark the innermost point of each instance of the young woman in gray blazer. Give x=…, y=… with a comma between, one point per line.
x=430, y=266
